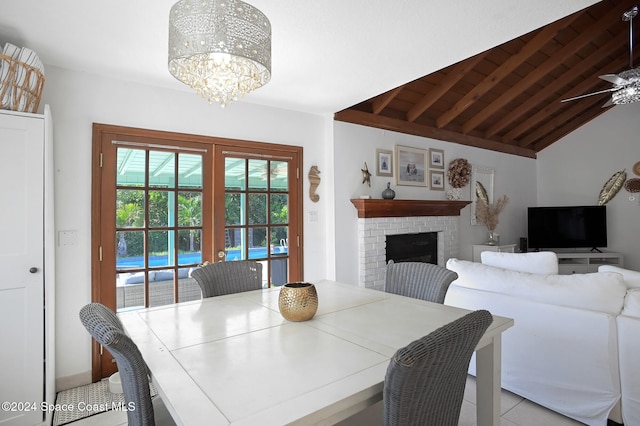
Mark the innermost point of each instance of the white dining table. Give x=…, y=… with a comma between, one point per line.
x=234, y=360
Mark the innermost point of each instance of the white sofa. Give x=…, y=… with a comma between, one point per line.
x=563, y=351
x=628, y=324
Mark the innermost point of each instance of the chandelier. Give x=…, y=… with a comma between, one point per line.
x=220, y=48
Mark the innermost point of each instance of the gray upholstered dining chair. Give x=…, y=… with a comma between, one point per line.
x=217, y=279
x=103, y=324
x=425, y=380
x=418, y=280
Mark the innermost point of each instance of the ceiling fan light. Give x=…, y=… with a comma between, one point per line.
x=626, y=95
x=632, y=74
x=220, y=48
x=630, y=92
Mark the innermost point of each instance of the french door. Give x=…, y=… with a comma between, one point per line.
x=164, y=203
x=259, y=210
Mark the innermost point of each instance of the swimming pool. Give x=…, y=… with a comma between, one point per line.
x=193, y=258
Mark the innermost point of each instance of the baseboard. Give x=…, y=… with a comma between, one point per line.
x=68, y=382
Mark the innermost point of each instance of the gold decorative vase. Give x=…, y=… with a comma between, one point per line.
x=298, y=301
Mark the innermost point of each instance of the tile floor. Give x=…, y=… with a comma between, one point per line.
x=516, y=411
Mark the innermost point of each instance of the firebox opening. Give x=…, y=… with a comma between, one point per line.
x=421, y=247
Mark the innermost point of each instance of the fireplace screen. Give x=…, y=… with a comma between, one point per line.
x=422, y=247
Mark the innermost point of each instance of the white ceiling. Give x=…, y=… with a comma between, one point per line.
x=326, y=54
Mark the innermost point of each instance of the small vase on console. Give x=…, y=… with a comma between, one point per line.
x=494, y=238
x=388, y=194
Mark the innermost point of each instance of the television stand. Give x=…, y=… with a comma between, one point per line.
x=587, y=261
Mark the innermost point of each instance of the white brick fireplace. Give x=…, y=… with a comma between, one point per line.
x=379, y=218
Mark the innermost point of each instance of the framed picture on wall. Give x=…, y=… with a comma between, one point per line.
x=384, y=162
x=436, y=180
x=411, y=166
x=436, y=159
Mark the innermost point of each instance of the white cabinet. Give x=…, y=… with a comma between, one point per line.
x=27, y=265
x=479, y=248
x=584, y=262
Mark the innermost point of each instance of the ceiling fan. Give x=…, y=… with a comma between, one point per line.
x=626, y=85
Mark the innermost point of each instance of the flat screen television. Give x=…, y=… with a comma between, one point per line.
x=567, y=227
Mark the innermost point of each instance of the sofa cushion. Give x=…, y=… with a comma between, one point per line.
x=632, y=303
x=631, y=278
x=164, y=275
x=135, y=278
x=599, y=291
x=167, y=274
x=542, y=262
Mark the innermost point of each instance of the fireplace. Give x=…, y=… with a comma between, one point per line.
x=379, y=219
x=419, y=247
x=373, y=233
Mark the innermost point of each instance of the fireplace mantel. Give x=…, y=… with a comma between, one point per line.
x=369, y=208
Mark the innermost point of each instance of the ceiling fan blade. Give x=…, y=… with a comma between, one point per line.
x=608, y=103
x=613, y=89
x=615, y=79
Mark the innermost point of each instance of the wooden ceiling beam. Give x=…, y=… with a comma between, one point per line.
x=535, y=44
x=458, y=71
x=542, y=70
x=383, y=100
x=528, y=116
x=533, y=122
x=523, y=110
x=402, y=126
x=558, y=121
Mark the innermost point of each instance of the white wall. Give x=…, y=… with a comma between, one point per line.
x=78, y=100
x=353, y=145
x=573, y=171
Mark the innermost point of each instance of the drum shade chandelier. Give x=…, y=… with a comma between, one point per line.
x=220, y=48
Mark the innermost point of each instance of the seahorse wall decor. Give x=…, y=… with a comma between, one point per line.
x=314, y=180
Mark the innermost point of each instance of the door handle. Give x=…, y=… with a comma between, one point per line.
x=33, y=269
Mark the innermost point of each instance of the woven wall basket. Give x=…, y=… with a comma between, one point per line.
x=20, y=85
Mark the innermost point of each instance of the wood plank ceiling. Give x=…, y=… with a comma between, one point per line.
x=507, y=99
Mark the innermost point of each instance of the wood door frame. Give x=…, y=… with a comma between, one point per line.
x=98, y=240
x=296, y=203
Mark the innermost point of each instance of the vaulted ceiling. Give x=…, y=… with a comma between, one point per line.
x=507, y=98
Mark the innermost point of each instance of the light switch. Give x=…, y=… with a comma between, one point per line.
x=67, y=238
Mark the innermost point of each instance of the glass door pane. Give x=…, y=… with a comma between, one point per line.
x=158, y=226
x=256, y=214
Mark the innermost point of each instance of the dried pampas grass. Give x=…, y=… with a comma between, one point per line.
x=489, y=213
